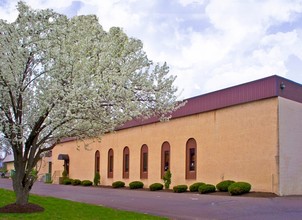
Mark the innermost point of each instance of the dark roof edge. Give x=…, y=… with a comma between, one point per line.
x=67, y=139
x=290, y=90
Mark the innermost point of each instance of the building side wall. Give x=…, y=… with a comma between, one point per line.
x=290, y=129
x=42, y=166
x=238, y=143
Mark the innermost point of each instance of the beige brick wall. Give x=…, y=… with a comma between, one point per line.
x=238, y=143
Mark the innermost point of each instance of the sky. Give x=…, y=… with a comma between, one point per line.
x=208, y=44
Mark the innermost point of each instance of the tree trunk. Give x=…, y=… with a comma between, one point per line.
x=22, y=195
x=22, y=189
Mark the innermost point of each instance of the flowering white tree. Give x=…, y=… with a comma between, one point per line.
x=63, y=77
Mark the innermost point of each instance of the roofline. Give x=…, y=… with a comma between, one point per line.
x=260, y=89
x=8, y=159
x=67, y=139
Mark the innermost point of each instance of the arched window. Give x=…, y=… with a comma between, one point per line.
x=97, y=162
x=110, y=163
x=165, y=158
x=144, y=162
x=126, y=163
x=191, y=162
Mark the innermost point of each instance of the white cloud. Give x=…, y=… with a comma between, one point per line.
x=189, y=2
x=8, y=11
x=117, y=13
x=209, y=45
x=42, y=4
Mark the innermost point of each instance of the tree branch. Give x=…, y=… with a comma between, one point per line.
x=35, y=131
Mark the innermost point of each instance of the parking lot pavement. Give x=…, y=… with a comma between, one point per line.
x=175, y=205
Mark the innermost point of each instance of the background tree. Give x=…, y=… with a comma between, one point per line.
x=63, y=77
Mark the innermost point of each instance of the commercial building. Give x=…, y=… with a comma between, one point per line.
x=250, y=132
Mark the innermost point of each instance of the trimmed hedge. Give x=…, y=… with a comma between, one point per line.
x=118, y=184
x=67, y=181
x=194, y=187
x=156, y=186
x=180, y=188
x=206, y=188
x=76, y=182
x=136, y=185
x=239, y=188
x=86, y=183
x=224, y=185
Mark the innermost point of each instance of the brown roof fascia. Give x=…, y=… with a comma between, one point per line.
x=67, y=139
x=268, y=87
x=289, y=89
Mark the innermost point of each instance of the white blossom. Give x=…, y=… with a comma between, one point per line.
x=63, y=77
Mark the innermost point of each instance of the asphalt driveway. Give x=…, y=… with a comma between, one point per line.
x=174, y=205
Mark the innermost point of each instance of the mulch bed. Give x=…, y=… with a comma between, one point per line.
x=217, y=193
x=28, y=208
x=250, y=194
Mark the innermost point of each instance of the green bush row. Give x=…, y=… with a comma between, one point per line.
x=234, y=188
x=225, y=186
x=199, y=186
x=138, y=185
x=76, y=182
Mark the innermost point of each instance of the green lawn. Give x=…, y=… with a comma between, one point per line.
x=64, y=209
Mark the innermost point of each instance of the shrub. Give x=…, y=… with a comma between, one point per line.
x=67, y=181
x=194, y=187
x=3, y=173
x=136, y=185
x=76, y=182
x=64, y=177
x=118, y=184
x=86, y=183
x=239, y=188
x=167, y=179
x=180, y=188
x=156, y=186
x=64, y=174
x=224, y=185
x=206, y=188
x=3, y=170
x=96, y=179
